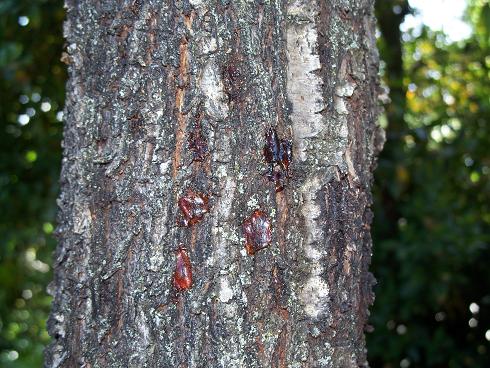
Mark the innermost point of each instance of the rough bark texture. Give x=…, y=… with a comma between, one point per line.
x=144, y=75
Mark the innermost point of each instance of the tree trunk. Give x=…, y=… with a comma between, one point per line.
x=149, y=82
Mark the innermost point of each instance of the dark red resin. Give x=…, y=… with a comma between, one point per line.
x=198, y=146
x=183, y=271
x=233, y=78
x=258, y=233
x=278, y=153
x=193, y=206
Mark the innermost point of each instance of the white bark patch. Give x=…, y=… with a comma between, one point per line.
x=304, y=87
x=314, y=296
x=225, y=292
x=222, y=232
x=340, y=106
x=209, y=45
x=83, y=220
x=142, y=324
x=227, y=200
x=213, y=89
x=252, y=203
x=156, y=250
x=315, y=292
x=196, y=3
x=165, y=167
x=157, y=115
x=346, y=89
x=76, y=56
x=342, y=92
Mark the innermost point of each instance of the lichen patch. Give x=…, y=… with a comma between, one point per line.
x=213, y=89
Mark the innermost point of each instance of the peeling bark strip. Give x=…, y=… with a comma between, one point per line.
x=146, y=78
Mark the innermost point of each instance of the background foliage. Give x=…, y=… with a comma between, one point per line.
x=432, y=205
x=32, y=91
x=432, y=196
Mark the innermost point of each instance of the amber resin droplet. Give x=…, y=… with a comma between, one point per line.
x=198, y=146
x=193, y=206
x=278, y=154
x=183, y=271
x=257, y=231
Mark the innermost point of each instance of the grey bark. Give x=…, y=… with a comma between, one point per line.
x=143, y=75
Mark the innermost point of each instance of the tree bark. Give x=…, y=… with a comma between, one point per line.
x=145, y=77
